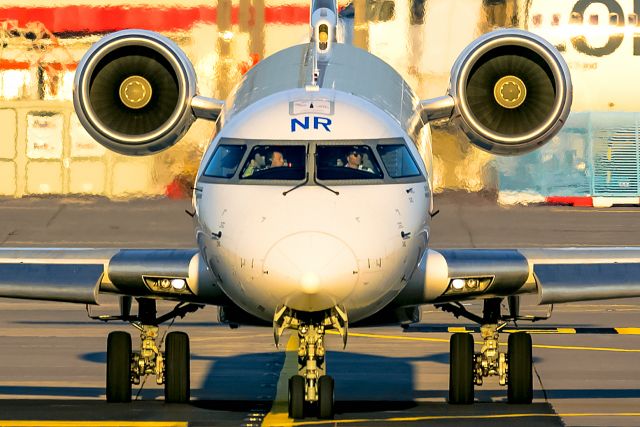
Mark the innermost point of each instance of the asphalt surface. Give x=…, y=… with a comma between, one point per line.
x=52, y=357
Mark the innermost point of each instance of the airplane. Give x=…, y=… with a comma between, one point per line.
x=312, y=206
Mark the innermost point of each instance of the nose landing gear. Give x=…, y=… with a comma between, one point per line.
x=311, y=391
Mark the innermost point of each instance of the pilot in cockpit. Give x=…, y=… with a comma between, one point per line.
x=256, y=164
x=355, y=161
x=276, y=159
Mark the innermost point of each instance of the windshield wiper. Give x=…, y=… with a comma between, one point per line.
x=306, y=179
x=324, y=186
x=315, y=178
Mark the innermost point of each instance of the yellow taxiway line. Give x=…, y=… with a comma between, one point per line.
x=444, y=340
x=279, y=414
x=452, y=418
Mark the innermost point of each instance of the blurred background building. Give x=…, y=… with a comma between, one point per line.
x=44, y=150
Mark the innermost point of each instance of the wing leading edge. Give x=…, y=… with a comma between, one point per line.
x=557, y=275
x=79, y=275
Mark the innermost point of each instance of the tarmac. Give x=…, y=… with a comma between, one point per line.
x=52, y=358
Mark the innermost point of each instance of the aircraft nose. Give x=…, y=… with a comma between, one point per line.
x=311, y=271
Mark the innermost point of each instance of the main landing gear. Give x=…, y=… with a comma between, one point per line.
x=311, y=391
x=126, y=367
x=513, y=368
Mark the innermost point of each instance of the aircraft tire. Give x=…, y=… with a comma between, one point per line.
x=296, y=396
x=118, y=367
x=519, y=355
x=177, y=368
x=461, y=369
x=325, y=397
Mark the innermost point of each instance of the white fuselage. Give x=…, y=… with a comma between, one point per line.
x=313, y=249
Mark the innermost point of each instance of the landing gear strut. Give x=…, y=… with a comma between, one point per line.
x=311, y=390
x=171, y=367
x=513, y=369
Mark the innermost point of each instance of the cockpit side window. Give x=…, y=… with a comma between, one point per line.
x=398, y=161
x=275, y=162
x=225, y=161
x=346, y=162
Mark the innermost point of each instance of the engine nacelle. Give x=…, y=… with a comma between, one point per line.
x=512, y=91
x=133, y=91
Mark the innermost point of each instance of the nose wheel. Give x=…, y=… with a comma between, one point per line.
x=325, y=397
x=296, y=396
x=299, y=407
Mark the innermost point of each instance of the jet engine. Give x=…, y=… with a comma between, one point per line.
x=133, y=91
x=512, y=91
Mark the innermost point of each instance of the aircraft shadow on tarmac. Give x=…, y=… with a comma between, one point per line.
x=363, y=383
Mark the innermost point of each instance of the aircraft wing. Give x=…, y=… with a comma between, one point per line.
x=557, y=275
x=79, y=275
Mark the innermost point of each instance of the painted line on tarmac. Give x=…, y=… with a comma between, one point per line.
x=454, y=418
x=279, y=414
x=44, y=423
x=444, y=340
x=570, y=210
x=539, y=330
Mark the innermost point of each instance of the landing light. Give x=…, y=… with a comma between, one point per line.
x=472, y=283
x=457, y=284
x=468, y=285
x=167, y=285
x=178, y=284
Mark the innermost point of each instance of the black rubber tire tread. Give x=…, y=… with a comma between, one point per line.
x=325, y=397
x=519, y=354
x=118, y=367
x=461, y=369
x=177, y=360
x=296, y=397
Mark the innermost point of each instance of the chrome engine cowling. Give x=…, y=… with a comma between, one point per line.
x=133, y=91
x=512, y=91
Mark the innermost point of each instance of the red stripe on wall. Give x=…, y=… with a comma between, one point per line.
x=112, y=18
x=8, y=64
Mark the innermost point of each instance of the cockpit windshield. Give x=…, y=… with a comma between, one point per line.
x=346, y=162
x=302, y=162
x=277, y=162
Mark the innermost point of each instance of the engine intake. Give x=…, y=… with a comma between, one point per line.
x=512, y=91
x=133, y=92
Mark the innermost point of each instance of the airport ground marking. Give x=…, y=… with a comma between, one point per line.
x=455, y=417
x=570, y=210
x=444, y=340
x=45, y=423
x=279, y=413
